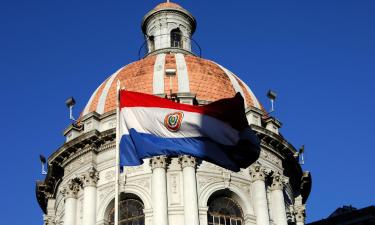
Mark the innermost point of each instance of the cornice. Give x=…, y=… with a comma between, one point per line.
x=90, y=141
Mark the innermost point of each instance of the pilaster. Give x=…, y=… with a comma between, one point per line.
x=191, y=213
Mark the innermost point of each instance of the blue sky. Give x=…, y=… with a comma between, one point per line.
x=318, y=55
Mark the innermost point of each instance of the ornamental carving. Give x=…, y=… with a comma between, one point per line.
x=278, y=181
x=257, y=172
x=106, y=191
x=158, y=162
x=90, y=177
x=70, y=190
x=203, y=180
x=208, y=165
x=144, y=183
x=187, y=161
x=227, y=178
x=300, y=214
x=49, y=220
x=109, y=175
x=134, y=169
x=271, y=158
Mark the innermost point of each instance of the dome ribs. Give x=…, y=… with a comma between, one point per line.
x=170, y=63
x=208, y=80
x=95, y=101
x=248, y=98
x=135, y=77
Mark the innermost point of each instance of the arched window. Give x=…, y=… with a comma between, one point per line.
x=130, y=213
x=152, y=43
x=224, y=211
x=176, y=38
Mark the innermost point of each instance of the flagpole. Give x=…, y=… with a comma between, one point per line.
x=117, y=160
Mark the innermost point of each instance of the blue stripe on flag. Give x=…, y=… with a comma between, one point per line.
x=136, y=146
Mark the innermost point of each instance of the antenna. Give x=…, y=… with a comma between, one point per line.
x=70, y=102
x=300, y=152
x=272, y=96
x=43, y=161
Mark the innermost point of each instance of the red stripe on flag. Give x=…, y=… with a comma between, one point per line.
x=230, y=110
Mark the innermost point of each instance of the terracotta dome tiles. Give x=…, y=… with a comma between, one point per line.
x=208, y=80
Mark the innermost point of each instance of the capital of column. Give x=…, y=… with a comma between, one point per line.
x=90, y=177
x=48, y=220
x=187, y=161
x=300, y=213
x=158, y=162
x=257, y=172
x=70, y=190
x=278, y=181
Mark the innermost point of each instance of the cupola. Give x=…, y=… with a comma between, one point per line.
x=168, y=28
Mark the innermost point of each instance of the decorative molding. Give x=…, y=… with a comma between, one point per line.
x=174, y=188
x=144, y=183
x=187, y=161
x=271, y=158
x=49, y=220
x=109, y=175
x=210, y=166
x=133, y=169
x=257, y=172
x=204, y=180
x=158, y=162
x=227, y=178
x=277, y=181
x=105, y=191
x=71, y=189
x=90, y=177
x=300, y=213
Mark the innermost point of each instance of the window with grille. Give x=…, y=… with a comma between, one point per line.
x=130, y=213
x=224, y=211
x=176, y=38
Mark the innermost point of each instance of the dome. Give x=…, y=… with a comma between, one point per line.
x=167, y=189
x=207, y=80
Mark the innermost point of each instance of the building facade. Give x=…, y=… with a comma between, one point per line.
x=79, y=187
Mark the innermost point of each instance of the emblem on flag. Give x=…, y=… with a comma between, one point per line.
x=172, y=121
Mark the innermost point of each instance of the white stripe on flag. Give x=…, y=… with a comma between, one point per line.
x=151, y=121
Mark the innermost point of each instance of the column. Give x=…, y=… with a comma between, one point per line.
x=259, y=195
x=159, y=190
x=70, y=192
x=89, y=180
x=191, y=213
x=277, y=197
x=300, y=215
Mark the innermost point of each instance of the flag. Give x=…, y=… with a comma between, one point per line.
x=217, y=132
